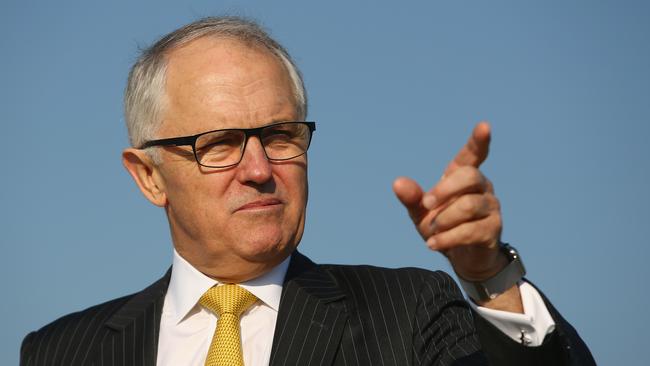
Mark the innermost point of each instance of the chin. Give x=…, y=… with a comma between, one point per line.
x=266, y=249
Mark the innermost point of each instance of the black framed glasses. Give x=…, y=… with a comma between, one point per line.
x=225, y=148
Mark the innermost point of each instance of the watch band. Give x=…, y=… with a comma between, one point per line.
x=494, y=286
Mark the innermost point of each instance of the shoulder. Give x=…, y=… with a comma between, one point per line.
x=412, y=275
x=422, y=310
x=97, y=314
x=72, y=338
x=52, y=341
x=412, y=284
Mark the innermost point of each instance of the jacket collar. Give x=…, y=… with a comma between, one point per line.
x=310, y=322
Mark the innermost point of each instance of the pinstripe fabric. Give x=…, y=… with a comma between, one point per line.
x=329, y=315
x=363, y=315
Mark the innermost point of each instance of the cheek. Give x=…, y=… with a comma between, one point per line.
x=297, y=191
x=200, y=201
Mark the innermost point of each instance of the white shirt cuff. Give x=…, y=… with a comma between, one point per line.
x=529, y=328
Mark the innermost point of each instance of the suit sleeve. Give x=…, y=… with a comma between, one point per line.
x=444, y=332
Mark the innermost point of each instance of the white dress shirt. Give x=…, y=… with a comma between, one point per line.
x=186, y=328
x=529, y=328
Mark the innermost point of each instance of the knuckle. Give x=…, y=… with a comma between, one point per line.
x=468, y=235
x=491, y=229
x=496, y=204
x=489, y=186
x=474, y=179
x=440, y=189
x=467, y=172
x=498, y=222
x=468, y=204
x=486, y=235
x=474, y=175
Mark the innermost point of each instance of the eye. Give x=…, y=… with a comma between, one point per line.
x=219, y=140
x=284, y=132
x=219, y=148
x=280, y=132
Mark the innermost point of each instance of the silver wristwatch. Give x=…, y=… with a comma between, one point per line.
x=500, y=282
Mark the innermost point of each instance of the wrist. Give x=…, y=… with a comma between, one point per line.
x=497, y=263
x=510, y=300
x=489, y=288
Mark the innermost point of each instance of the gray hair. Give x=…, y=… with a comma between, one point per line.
x=145, y=97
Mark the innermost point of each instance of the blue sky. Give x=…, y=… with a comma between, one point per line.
x=396, y=88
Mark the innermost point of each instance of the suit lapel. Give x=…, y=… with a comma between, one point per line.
x=310, y=323
x=133, y=336
x=311, y=316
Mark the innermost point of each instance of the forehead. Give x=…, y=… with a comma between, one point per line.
x=216, y=83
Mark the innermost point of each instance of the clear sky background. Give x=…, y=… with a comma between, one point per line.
x=396, y=88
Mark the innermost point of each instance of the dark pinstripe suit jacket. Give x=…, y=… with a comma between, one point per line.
x=329, y=315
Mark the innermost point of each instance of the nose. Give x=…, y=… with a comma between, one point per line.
x=254, y=166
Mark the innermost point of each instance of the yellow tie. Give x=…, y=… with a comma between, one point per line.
x=228, y=302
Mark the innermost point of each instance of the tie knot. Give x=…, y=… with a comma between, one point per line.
x=227, y=299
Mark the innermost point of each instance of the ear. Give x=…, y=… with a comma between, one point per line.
x=146, y=175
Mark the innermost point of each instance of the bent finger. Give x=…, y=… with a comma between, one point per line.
x=463, y=180
x=466, y=208
x=482, y=232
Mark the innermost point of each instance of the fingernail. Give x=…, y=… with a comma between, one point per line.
x=431, y=243
x=433, y=225
x=429, y=201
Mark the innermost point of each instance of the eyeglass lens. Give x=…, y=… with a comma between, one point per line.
x=281, y=142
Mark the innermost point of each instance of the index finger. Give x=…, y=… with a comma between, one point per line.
x=475, y=150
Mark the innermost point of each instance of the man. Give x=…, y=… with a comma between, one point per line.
x=216, y=116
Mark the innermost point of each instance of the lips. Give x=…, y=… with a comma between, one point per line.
x=260, y=204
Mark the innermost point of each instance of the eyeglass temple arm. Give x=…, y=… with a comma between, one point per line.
x=173, y=141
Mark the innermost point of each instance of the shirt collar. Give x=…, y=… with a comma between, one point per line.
x=188, y=284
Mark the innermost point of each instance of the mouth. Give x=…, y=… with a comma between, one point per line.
x=262, y=204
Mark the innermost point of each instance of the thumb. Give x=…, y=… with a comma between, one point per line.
x=410, y=194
